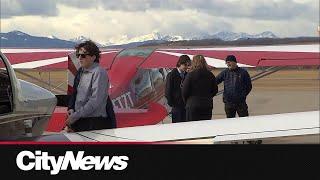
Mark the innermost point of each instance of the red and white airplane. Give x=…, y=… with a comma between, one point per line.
x=137, y=77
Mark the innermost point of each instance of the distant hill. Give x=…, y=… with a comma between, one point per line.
x=18, y=39
x=232, y=36
x=155, y=36
x=159, y=38
x=239, y=42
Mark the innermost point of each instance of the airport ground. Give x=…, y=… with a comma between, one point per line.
x=282, y=92
x=289, y=90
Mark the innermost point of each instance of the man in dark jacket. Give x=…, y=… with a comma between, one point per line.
x=237, y=86
x=111, y=118
x=173, y=89
x=87, y=108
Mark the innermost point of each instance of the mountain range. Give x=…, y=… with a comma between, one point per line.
x=19, y=39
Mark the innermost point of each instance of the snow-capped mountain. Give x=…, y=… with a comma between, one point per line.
x=21, y=39
x=232, y=36
x=81, y=39
x=157, y=36
x=52, y=37
x=154, y=36
x=266, y=34
x=18, y=33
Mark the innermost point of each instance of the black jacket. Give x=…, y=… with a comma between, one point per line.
x=109, y=107
x=237, y=85
x=173, y=89
x=199, y=87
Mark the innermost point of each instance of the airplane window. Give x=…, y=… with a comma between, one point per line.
x=157, y=77
x=5, y=89
x=140, y=52
x=165, y=72
x=142, y=84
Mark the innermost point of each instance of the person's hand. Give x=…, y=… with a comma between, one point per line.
x=68, y=129
x=70, y=111
x=68, y=121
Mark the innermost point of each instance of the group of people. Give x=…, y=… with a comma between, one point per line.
x=190, y=88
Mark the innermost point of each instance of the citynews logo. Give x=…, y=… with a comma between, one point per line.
x=42, y=161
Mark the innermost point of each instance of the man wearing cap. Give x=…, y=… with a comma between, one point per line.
x=237, y=86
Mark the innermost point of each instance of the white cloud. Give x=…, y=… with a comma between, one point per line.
x=105, y=21
x=11, y=8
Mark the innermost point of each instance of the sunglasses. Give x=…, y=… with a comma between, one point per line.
x=82, y=55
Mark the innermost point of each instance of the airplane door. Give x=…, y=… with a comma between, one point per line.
x=6, y=98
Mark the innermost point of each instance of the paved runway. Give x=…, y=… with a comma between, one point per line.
x=285, y=91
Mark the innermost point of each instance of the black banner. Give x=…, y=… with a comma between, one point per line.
x=133, y=161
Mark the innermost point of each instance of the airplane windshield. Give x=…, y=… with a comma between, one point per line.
x=142, y=84
x=140, y=52
x=157, y=77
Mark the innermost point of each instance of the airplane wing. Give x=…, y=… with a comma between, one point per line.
x=37, y=58
x=47, y=58
x=264, y=127
x=253, y=56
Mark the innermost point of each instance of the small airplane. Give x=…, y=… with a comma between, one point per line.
x=137, y=75
x=25, y=109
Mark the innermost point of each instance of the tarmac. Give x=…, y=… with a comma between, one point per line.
x=289, y=90
x=282, y=92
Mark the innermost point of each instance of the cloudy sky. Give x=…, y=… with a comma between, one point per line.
x=116, y=20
